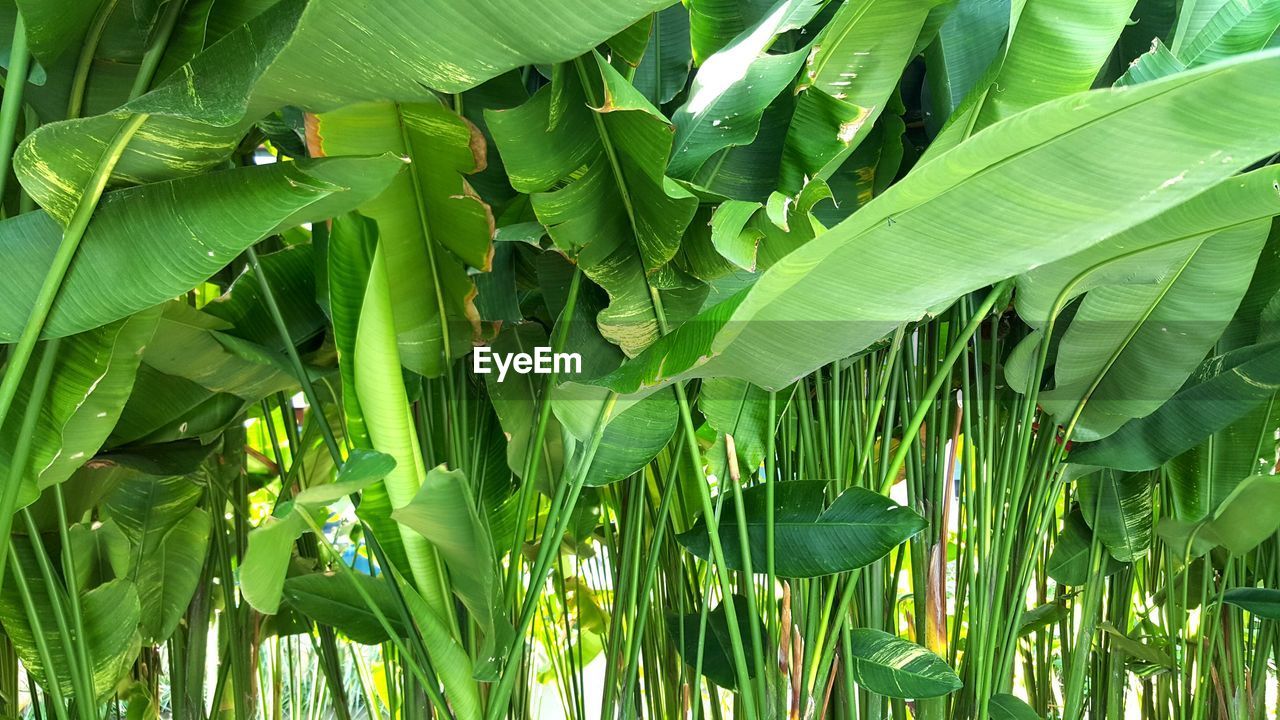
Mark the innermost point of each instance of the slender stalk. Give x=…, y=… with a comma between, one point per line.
x=11, y=104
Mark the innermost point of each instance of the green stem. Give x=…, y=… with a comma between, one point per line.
x=11, y=104
x=89, y=48
x=155, y=51
x=925, y=401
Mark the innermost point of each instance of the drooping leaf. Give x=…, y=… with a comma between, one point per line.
x=664, y=68
x=1223, y=389
x=1069, y=561
x=431, y=223
x=1005, y=706
x=846, y=83
x=1129, y=348
x=1119, y=507
x=167, y=237
x=444, y=511
x=330, y=599
x=717, y=653
x=924, y=221
x=810, y=538
x=1262, y=602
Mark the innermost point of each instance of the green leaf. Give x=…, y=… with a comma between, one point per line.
x=811, y=540
x=664, y=68
x=282, y=57
x=734, y=86
x=961, y=52
x=1053, y=50
x=1119, y=507
x=168, y=237
x=1069, y=561
x=594, y=158
x=266, y=560
x=1245, y=518
x=717, y=653
x=1261, y=602
x=737, y=408
x=515, y=401
x=1135, y=649
x=926, y=221
x=1223, y=389
x=855, y=66
x=110, y=612
x=638, y=429
x=1010, y=707
x=890, y=666
x=1151, y=65
x=331, y=600
x=1237, y=27
x=431, y=223
x=444, y=512
x=92, y=378
x=166, y=571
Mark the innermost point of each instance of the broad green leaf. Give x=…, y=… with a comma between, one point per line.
x=515, y=401
x=1069, y=561
x=168, y=237
x=92, y=378
x=961, y=52
x=1010, y=707
x=854, y=67
x=638, y=429
x=1055, y=48
x=266, y=560
x=1140, y=651
x=110, y=613
x=1246, y=517
x=715, y=23
x=1146, y=253
x=737, y=408
x=1261, y=602
x=1223, y=389
x=166, y=571
x=270, y=546
x=790, y=315
x=285, y=57
x=664, y=68
x=810, y=538
x=352, y=240
x=594, y=158
x=717, y=653
x=330, y=599
x=734, y=86
x=1119, y=507
x=444, y=512
x=1151, y=65
x=431, y=223
x=1129, y=348
x=194, y=345
x=890, y=666
x=1237, y=26
x=384, y=404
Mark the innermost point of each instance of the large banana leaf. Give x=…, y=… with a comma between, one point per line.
x=1218, y=29
x=111, y=614
x=431, y=223
x=857, y=62
x=810, y=539
x=1129, y=348
x=1223, y=389
x=1054, y=48
x=598, y=180
x=93, y=376
x=319, y=55
x=167, y=237
x=808, y=309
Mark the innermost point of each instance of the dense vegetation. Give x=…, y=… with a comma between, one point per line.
x=928, y=359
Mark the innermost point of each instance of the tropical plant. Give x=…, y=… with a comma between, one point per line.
x=845, y=359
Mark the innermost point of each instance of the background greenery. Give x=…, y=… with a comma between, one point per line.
x=929, y=350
